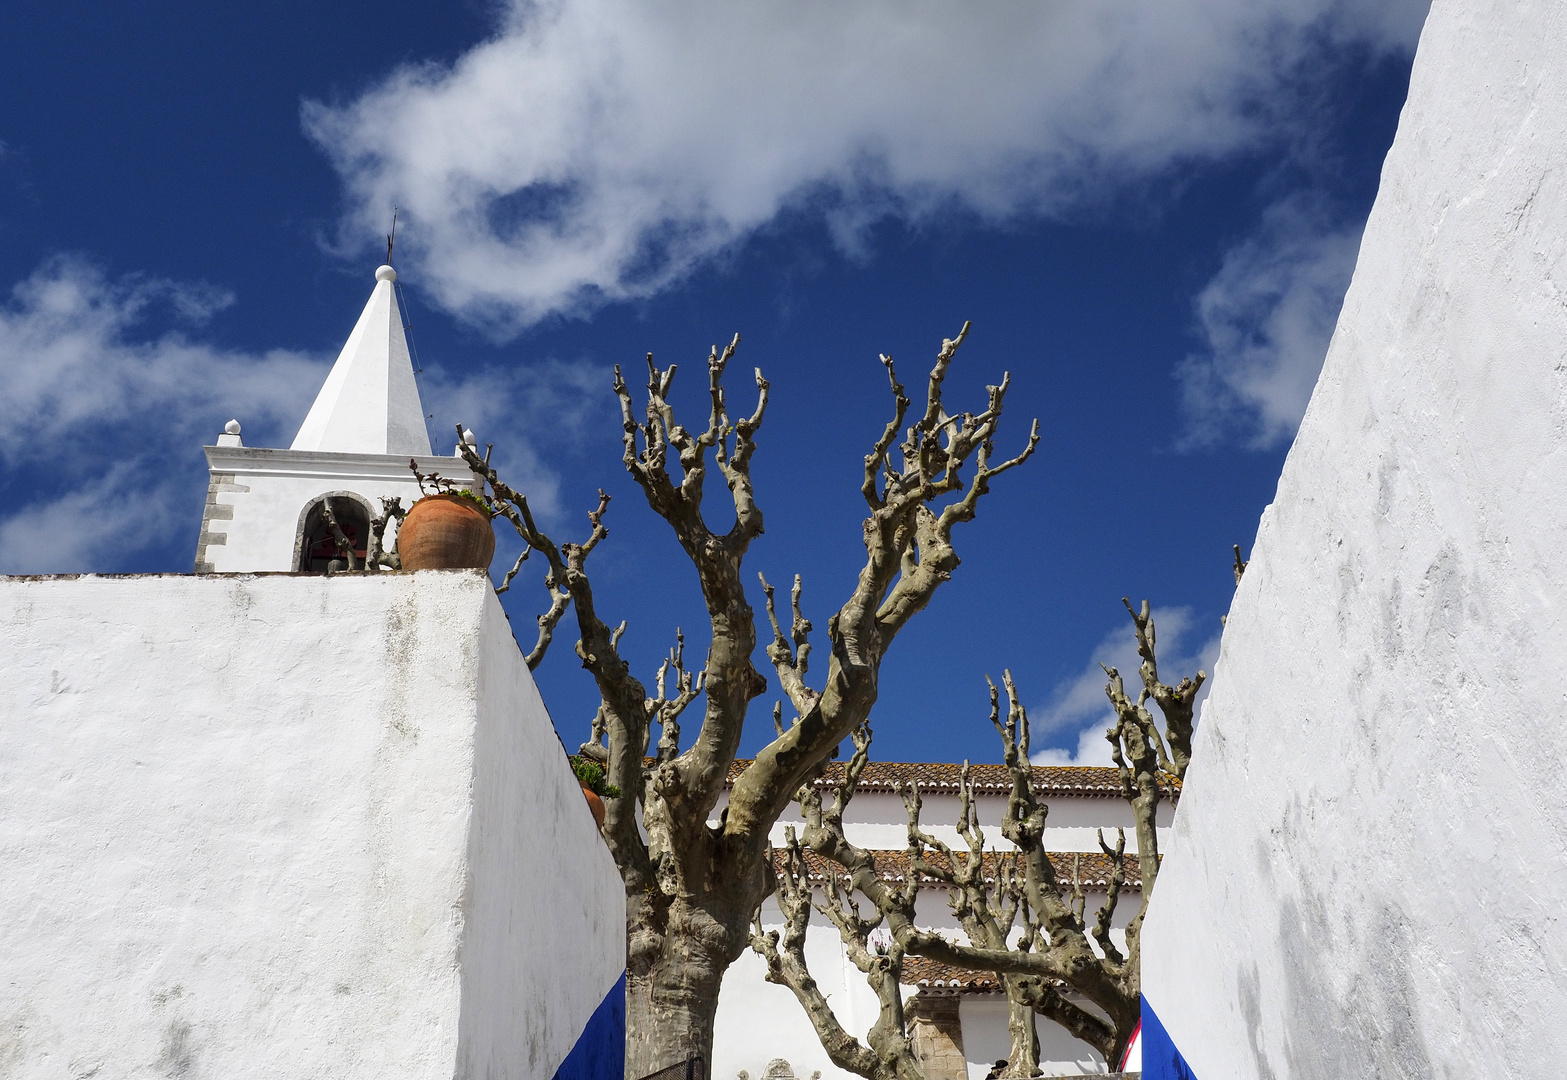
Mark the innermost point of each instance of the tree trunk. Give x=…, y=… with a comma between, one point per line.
x=673, y=975
x=668, y=1019
x=1023, y=1061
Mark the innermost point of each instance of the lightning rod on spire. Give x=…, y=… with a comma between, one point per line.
x=391, y=237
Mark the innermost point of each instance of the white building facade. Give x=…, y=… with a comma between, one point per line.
x=262, y=821
x=959, y=1017
x=266, y=826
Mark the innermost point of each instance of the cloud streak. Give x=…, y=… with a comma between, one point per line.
x=599, y=150
x=76, y=359
x=1266, y=319
x=117, y=414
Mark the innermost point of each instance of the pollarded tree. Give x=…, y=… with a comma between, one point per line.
x=888, y=1052
x=1023, y=917
x=691, y=887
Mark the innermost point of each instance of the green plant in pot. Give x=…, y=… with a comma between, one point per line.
x=448, y=529
x=595, y=786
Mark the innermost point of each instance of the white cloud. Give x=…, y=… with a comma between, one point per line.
x=1078, y=712
x=1267, y=317
x=76, y=381
x=1092, y=749
x=595, y=150
x=124, y=510
x=117, y=417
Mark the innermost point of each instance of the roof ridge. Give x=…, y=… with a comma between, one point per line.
x=1093, y=781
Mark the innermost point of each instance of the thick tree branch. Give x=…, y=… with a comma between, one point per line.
x=791, y=655
x=1117, y=879
x=377, y=557
x=1137, y=763
x=345, y=547
x=909, y=554
x=1175, y=702
x=876, y=462
x=890, y=1055
x=691, y=785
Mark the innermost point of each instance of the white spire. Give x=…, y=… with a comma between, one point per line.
x=369, y=403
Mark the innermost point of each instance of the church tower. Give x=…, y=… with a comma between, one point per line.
x=263, y=509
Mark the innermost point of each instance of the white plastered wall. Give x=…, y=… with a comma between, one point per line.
x=1369, y=865
x=877, y=819
x=285, y=826
x=257, y=497
x=986, y=1040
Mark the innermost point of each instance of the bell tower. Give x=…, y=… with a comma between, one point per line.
x=264, y=507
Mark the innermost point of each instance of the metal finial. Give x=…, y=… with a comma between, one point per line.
x=391, y=237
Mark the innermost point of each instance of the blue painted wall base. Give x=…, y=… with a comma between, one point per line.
x=1161, y=1060
x=600, y=1053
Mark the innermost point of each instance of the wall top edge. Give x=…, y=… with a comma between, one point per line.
x=253, y=459
x=91, y=576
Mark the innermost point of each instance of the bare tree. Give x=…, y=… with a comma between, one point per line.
x=691, y=888
x=888, y=1052
x=1023, y=919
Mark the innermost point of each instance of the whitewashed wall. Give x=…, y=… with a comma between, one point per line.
x=1367, y=874
x=281, y=826
x=986, y=1041
x=257, y=498
x=877, y=819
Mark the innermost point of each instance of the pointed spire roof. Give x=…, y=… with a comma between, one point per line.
x=370, y=403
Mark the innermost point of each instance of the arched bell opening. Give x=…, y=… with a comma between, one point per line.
x=316, y=548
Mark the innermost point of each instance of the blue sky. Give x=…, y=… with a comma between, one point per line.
x=1149, y=212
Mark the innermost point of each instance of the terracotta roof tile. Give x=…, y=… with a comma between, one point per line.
x=928, y=974
x=939, y=980
x=893, y=865
x=940, y=777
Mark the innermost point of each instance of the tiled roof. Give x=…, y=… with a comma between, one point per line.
x=942, y=777
x=941, y=980
x=928, y=974
x=892, y=865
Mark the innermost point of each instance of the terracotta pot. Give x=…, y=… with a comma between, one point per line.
x=595, y=804
x=446, y=532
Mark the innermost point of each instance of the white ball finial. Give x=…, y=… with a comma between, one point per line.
x=232, y=427
x=385, y=273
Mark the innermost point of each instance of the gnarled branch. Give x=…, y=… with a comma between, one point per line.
x=345, y=547
x=890, y=1055
x=1175, y=702
x=914, y=505
x=377, y=557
